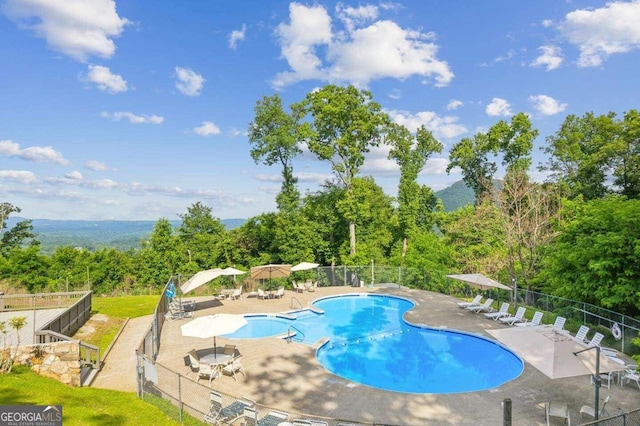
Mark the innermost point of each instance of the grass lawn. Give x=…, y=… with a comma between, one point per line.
x=83, y=406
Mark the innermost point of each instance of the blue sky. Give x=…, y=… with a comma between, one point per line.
x=138, y=109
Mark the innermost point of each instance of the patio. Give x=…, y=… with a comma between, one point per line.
x=286, y=376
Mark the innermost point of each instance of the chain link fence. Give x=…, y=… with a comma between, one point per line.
x=631, y=418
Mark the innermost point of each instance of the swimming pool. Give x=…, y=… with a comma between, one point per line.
x=369, y=343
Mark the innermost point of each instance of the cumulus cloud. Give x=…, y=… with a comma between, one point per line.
x=604, y=31
x=36, y=154
x=77, y=28
x=362, y=52
x=133, y=118
x=189, y=82
x=454, y=104
x=442, y=127
x=236, y=36
x=550, y=57
x=20, y=176
x=105, y=80
x=207, y=129
x=546, y=105
x=498, y=107
x=96, y=166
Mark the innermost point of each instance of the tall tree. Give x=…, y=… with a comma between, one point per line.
x=346, y=124
x=471, y=156
x=274, y=135
x=411, y=153
x=19, y=234
x=199, y=234
x=625, y=157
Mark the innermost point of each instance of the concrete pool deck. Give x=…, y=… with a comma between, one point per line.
x=287, y=376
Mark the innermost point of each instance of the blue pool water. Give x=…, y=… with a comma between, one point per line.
x=370, y=343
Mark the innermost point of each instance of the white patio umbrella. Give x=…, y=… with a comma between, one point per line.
x=232, y=271
x=479, y=281
x=213, y=326
x=199, y=279
x=303, y=266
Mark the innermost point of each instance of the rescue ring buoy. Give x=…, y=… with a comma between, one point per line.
x=615, y=330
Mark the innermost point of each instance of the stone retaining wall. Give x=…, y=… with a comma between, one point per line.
x=59, y=360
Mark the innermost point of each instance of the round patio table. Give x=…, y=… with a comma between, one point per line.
x=216, y=359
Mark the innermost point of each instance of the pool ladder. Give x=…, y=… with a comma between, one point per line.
x=299, y=303
x=290, y=336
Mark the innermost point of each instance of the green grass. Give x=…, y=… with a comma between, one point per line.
x=125, y=306
x=83, y=406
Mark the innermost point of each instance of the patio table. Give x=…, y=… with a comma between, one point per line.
x=216, y=360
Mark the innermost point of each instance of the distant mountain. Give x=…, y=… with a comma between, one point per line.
x=456, y=196
x=95, y=234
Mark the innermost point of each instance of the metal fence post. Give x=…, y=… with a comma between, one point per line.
x=180, y=404
x=506, y=412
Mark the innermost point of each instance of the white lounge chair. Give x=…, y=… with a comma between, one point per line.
x=474, y=302
x=485, y=307
x=631, y=374
x=502, y=312
x=234, y=366
x=535, y=321
x=517, y=318
x=590, y=411
x=558, y=324
x=237, y=294
x=215, y=405
x=273, y=417
x=581, y=335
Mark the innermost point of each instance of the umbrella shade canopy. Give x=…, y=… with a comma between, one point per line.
x=480, y=281
x=270, y=271
x=232, y=271
x=552, y=352
x=199, y=279
x=303, y=266
x=213, y=325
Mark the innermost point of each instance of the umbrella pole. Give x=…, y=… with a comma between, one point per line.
x=215, y=351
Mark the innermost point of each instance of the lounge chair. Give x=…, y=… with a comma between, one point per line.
x=517, y=318
x=535, y=321
x=306, y=422
x=234, y=366
x=581, y=335
x=558, y=324
x=299, y=288
x=596, y=340
x=485, y=307
x=502, y=312
x=590, y=411
x=207, y=370
x=250, y=417
x=218, y=414
x=311, y=285
x=631, y=374
x=237, y=294
x=262, y=295
x=273, y=418
x=474, y=302
x=215, y=406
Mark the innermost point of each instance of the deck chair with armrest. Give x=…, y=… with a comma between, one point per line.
x=208, y=371
x=535, y=321
x=502, y=312
x=194, y=360
x=485, y=307
x=307, y=422
x=476, y=301
x=517, y=318
x=596, y=340
x=631, y=374
x=558, y=324
x=590, y=411
x=581, y=335
x=273, y=418
x=279, y=294
x=233, y=367
x=215, y=405
x=261, y=294
x=230, y=350
x=250, y=417
x=237, y=294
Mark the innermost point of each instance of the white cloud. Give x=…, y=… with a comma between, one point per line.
x=604, y=31
x=133, y=118
x=547, y=23
x=20, y=176
x=359, y=54
x=74, y=175
x=551, y=57
x=442, y=127
x=189, y=82
x=207, y=129
x=546, y=105
x=77, y=28
x=498, y=107
x=36, y=154
x=96, y=166
x=236, y=36
x=105, y=80
x=454, y=104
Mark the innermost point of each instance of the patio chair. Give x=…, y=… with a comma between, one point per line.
x=215, y=406
x=581, y=335
x=307, y=422
x=273, y=418
x=485, y=307
x=207, y=370
x=558, y=324
x=237, y=294
x=194, y=360
x=517, y=318
x=232, y=412
x=299, y=288
x=311, y=285
x=229, y=350
x=554, y=409
x=250, y=417
x=631, y=374
x=605, y=379
x=502, y=312
x=535, y=321
x=476, y=301
x=261, y=294
x=234, y=366
x=590, y=411
x=280, y=293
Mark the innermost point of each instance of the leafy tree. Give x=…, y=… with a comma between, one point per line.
x=274, y=135
x=415, y=203
x=26, y=267
x=625, y=156
x=595, y=256
x=199, y=234
x=20, y=233
x=471, y=156
x=71, y=265
x=346, y=124
x=578, y=158
x=112, y=270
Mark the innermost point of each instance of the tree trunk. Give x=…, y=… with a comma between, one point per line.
x=352, y=238
x=404, y=247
